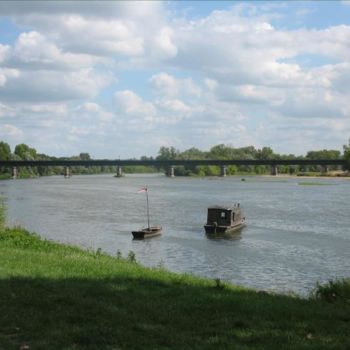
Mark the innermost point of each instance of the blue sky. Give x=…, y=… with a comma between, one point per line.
x=103, y=77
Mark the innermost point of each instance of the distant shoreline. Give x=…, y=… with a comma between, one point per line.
x=243, y=175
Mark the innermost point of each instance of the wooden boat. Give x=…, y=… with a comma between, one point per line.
x=149, y=231
x=224, y=219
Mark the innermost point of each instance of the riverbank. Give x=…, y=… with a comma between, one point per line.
x=242, y=175
x=55, y=296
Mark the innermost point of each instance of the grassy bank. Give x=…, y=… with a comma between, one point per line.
x=54, y=296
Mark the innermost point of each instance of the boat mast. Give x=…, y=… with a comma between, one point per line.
x=147, y=208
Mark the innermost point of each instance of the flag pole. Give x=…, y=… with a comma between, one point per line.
x=147, y=208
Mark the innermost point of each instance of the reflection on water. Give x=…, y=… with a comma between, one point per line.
x=295, y=235
x=233, y=236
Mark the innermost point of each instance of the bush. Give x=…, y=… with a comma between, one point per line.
x=333, y=291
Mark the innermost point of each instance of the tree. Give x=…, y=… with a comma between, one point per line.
x=323, y=154
x=346, y=155
x=192, y=153
x=167, y=153
x=84, y=156
x=25, y=152
x=265, y=153
x=5, y=151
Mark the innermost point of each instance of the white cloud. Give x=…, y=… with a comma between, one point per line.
x=165, y=84
x=99, y=28
x=6, y=73
x=53, y=85
x=108, y=37
x=227, y=75
x=210, y=84
x=168, y=85
x=130, y=103
x=95, y=111
x=11, y=131
x=6, y=110
x=164, y=43
x=4, y=49
x=175, y=106
x=53, y=108
x=33, y=50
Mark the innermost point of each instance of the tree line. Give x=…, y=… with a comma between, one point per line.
x=222, y=152
x=228, y=152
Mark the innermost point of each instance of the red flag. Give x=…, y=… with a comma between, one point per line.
x=142, y=189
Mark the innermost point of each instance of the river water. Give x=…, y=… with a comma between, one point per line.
x=296, y=235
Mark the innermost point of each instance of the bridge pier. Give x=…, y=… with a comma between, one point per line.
x=274, y=170
x=324, y=169
x=14, y=173
x=223, y=169
x=119, y=172
x=67, y=172
x=170, y=171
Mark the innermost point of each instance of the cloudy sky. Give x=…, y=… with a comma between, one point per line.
x=122, y=79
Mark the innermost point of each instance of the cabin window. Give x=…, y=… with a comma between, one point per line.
x=223, y=215
x=233, y=216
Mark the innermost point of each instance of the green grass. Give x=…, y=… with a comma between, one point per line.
x=59, y=297
x=5, y=176
x=2, y=214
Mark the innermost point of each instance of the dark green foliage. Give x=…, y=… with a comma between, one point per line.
x=333, y=291
x=62, y=298
x=168, y=153
x=24, y=152
x=5, y=154
x=347, y=155
x=5, y=151
x=131, y=257
x=323, y=154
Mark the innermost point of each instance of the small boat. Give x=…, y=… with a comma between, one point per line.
x=149, y=231
x=224, y=219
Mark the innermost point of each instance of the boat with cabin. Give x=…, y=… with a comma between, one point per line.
x=149, y=231
x=224, y=219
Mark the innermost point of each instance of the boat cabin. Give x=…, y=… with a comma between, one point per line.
x=224, y=216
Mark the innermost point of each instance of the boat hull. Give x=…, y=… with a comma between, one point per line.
x=147, y=232
x=214, y=229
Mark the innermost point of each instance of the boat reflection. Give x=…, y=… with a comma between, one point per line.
x=228, y=236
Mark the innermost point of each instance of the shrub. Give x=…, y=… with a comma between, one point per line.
x=132, y=257
x=333, y=291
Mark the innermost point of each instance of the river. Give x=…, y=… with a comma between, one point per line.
x=296, y=235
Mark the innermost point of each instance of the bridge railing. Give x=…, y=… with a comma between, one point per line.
x=167, y=163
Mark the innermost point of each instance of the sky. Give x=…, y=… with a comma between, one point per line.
x=122, y=79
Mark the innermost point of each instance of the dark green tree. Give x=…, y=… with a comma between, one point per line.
x=84, y=156
x=323, y=154
x=265, y=153
x=346, y=155
x=25, y=152
x=168, y=153
x=5, y=151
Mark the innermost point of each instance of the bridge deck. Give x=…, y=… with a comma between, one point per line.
x=162, y=163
